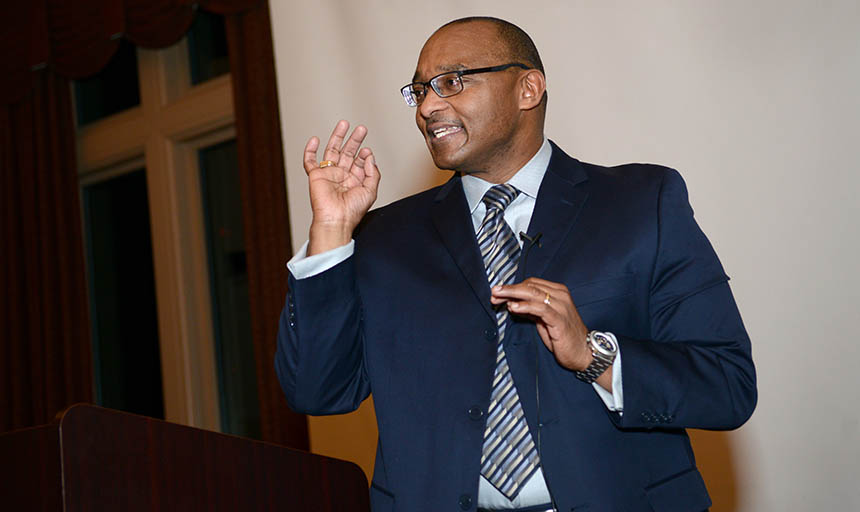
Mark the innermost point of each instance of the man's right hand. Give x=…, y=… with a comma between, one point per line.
x=341, y=193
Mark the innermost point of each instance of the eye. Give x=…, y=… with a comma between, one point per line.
x=452, y=82
x=448, y=84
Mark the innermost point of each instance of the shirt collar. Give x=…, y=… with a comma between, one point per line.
x=527, y=180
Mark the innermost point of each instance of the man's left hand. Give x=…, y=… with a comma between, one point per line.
x=558, y=322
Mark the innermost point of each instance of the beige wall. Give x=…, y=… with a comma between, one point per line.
x=755, y=102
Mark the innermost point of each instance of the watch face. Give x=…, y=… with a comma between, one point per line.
x=604, y=343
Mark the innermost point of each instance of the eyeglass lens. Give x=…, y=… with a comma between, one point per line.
x=445, y=85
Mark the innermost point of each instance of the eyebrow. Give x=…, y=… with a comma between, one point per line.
x=444, y=69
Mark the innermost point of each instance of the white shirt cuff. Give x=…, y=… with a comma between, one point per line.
x=302, y=266
x=615, y=400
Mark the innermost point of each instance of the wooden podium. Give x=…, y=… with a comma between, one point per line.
x=93, y=459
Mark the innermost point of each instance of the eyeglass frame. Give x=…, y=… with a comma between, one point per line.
x=406, y=91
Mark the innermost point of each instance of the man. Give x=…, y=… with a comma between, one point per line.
x=537, y=332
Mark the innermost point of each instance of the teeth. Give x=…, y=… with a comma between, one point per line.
x=441, y=132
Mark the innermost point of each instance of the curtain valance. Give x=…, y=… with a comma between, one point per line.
x=77, y=38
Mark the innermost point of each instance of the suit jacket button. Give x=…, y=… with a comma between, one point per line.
x=465, y=502
x=490, y=334
x=476, y=412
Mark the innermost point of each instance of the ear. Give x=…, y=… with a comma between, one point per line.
x=532, y=86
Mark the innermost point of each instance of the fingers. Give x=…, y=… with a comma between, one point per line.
x=543, y=283
x=344, y=154
x=371, y=173
x=535, y=307
x=310, y=157
x=350, y=149
x=540, y=298
x=332, y=149
x=357, y=168
x=364, y=168
x=551, y=307
x=531, y=289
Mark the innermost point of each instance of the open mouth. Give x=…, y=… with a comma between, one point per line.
x=445, y=131
x=440, y=130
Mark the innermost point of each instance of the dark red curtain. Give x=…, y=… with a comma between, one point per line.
x=76, y=39
x=267, y=238
x=45, y=347
x=45, y=357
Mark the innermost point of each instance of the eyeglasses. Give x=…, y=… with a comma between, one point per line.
x=446, y=84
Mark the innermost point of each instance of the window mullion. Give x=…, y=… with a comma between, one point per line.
x=185, y=323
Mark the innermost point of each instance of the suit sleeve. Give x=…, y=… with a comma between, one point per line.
x=320, y=355
x=697, y=369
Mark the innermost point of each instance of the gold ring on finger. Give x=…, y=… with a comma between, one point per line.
x=326, y=163
x=546, y=299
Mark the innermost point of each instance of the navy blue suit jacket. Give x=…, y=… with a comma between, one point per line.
x=408, y=317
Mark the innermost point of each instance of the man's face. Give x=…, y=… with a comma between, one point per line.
x=471, y=131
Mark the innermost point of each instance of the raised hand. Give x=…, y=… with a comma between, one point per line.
x=343, y=186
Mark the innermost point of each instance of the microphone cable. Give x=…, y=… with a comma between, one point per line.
x=535, y=240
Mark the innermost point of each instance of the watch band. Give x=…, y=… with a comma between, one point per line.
x=604, y=347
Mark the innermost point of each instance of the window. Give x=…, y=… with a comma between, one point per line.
x=159, y=184
x=228, y=278
x=127, y=365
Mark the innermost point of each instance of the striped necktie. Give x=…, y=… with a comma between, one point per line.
x=509, y=456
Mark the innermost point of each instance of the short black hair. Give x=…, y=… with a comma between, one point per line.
x=521, y=48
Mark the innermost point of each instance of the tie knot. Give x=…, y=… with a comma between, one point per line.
x=500, y=196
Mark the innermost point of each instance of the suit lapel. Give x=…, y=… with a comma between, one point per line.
x=559, y=202
x=558, y=205
x=452, y=221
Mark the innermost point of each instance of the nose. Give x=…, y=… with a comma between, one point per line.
x=432, y=103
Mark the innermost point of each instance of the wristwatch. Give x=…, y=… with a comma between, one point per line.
x=604, y=347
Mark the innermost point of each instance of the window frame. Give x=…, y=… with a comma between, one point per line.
x=163, y=134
